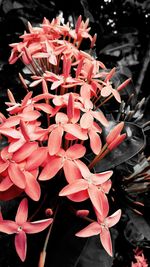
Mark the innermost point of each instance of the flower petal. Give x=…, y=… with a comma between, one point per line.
x=32, y=189
x=16, y=175
x=100, y=178
x=95, y=142
x=37, y=226
x=106, y=240
x=21, y=245
x=76, y=151
x=51, y=169
x=14, y=146
x=71, y=171
x=92, y=229
x=76, y=131
x=113, y=219
x=86, y=120
x=55, y=140
x=8, y=227
x=77, y=186
x=36, y=158
x=25, y=151
x=22, y=212
x=3, y=166
x=5, y=184
x=98, y=199
x=80, y=196
x=98, y=115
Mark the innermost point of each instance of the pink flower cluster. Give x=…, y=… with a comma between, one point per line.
x=140, y=259
x=55, y=129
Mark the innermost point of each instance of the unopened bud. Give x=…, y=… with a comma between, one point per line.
x=82, y=213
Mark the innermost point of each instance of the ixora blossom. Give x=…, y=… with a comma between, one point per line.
x=21, y=227
x=50, y=132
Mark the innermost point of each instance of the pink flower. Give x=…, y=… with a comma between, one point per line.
x=101, y=227
x=57, y=130
x=21, y=227
x=90, y=185
x=66, y=160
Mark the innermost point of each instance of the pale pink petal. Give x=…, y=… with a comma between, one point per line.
x=11, y=121
x=85, y=91
x=113, y=219
x=44, y=107
x=56, y=84
x=40, y=55
x=24, y=130
x=98, y=115
x=35, y=83
x=61, y=118
x=116, y=95
x=106, y=240
x=99, y=200
x=32, y=189
x=8, y=227
x=71, y=171
x=106, y=186
x=80, y=196
x=14, y=146
x=5, y=184
x=26, y=99
x=37, y=226
x=76, y=131
x=92, y=229
x=95, y=142
x=10, y=133
x=21, y=245
x=76, y=151
x=16, y=175
x=106, y=91
x=25, y=151
x=51, y=169
x=55, y=140
x=3, y=166
x=22, y=212
x=100, y=178
x=42, y=96
x=77, y=186
x=30, y=115
x=83, y=168
x=86, y=120
x=36, y=158
x=53, y=59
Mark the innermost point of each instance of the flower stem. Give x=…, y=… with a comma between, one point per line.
x=102, y=153
x=43, y=253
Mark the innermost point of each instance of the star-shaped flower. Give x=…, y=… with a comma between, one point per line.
x=21, y=227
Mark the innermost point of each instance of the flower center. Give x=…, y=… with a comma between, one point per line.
x=19, y=228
